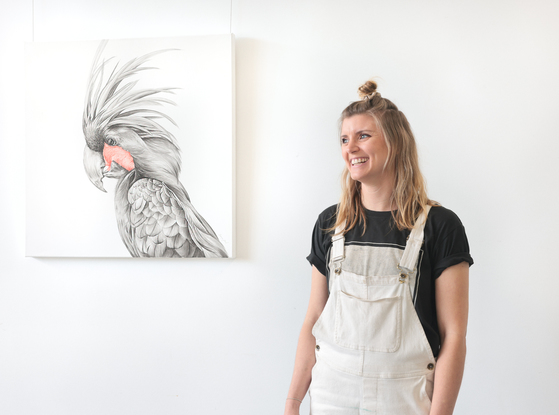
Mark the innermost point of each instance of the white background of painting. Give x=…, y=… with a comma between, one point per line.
x=477, y=81
x=66, y=214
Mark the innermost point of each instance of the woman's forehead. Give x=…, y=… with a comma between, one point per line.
x=359, y=122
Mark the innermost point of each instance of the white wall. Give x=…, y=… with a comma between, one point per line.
x=478, y=81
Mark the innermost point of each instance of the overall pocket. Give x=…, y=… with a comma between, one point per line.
x=371, y=325
x=404, y=396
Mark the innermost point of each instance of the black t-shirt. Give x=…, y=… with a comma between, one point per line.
x=445, y=245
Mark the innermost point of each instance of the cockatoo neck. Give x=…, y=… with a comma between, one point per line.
x=159, y=159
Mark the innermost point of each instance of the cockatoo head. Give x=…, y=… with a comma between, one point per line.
x=115, y=158
x=118, y=119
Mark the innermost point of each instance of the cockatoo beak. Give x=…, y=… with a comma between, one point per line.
x=94, y=163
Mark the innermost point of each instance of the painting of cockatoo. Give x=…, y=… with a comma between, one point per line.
x=126, y=141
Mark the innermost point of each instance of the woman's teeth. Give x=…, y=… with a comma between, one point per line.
x=358, y=161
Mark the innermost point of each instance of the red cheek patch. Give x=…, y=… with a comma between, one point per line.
x=119, y=155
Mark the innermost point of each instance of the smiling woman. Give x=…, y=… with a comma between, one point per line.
x=400, y=181
x=389, y=296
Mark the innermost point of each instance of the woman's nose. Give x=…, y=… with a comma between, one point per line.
x=352, y=146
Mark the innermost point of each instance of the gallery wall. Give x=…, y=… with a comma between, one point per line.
x=478, y=83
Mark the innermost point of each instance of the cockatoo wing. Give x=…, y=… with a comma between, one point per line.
x=163, y=226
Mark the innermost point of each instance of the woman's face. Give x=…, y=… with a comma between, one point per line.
x=364, y=149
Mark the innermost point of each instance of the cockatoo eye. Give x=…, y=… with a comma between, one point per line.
x=111, y=141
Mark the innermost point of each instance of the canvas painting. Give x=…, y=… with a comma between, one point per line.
x=130, y=148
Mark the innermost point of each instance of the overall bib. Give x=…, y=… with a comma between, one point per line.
x=372, y=355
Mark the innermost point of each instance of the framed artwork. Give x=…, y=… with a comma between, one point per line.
x=130, y=148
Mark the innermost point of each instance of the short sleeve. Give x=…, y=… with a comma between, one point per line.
x=321, y=240
x=451, y=244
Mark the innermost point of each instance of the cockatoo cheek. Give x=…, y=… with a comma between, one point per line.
x=119, y=155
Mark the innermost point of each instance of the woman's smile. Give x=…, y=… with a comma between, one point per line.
x=358, y=161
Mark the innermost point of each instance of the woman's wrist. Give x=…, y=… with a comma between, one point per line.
x=293, y=402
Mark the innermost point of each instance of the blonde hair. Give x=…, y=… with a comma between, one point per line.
x=409, y=194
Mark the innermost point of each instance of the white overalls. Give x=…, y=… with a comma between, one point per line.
x=372, y=355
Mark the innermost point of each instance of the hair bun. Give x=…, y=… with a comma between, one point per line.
x=367, y=89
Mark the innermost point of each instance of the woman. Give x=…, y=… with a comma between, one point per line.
x=389, y=296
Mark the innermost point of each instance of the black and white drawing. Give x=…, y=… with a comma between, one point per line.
x=125, y=141
x=157, y=124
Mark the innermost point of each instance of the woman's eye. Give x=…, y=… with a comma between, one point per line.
x=344, y=140
x=363, y=136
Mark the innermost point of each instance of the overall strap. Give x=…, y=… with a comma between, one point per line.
x=338, y=248
x=415, y=240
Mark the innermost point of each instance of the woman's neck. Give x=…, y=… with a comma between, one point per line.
x=378, y=196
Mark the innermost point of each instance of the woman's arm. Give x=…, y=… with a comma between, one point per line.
x=305, y=359
x=451, y=293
